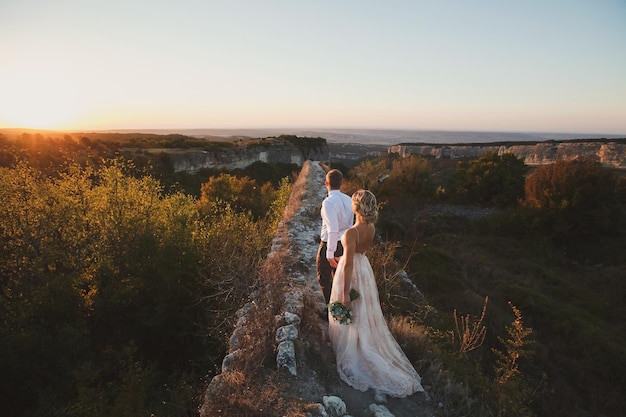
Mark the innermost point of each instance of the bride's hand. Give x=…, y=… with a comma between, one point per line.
x=345, y=300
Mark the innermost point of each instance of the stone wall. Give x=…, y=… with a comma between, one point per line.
x=296, y=237
x=324, y=395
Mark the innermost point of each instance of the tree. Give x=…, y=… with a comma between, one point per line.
x=576, y=197
x=115, y=296
x=370, y=173
x=242, y=194
x=491, y=179
x=409, y=177
x=574, y=184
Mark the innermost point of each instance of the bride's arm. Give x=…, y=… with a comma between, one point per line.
x=349, y=245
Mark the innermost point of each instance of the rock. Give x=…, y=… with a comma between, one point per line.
x=379, y=397
x=288, y=332
x=228, y=360
x=286, y=357
x=335, y=405
x=609, y=153
x=380, y=411
x=234, y=342
x=287, y=318
x=215, y=385
x=318, y=411
x=248, y=307
x=293, y=302
x=242, y=154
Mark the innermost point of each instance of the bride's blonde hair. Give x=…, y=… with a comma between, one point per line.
x=366, y=205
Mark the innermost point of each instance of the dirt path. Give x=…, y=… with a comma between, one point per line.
x=314, y=376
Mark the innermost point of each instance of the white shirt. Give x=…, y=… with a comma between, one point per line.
x=337, y=217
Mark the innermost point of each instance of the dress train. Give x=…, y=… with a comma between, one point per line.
x=367, y=354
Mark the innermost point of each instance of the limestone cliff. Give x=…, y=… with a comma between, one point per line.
x=610, y=153
x=284, y=149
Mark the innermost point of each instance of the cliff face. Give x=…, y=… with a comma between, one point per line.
x=608, y=153
x=272, y=150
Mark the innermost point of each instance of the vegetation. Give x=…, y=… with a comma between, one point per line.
x=490, y=180
x=117, y=295
x=120, y=280
x=548, y=254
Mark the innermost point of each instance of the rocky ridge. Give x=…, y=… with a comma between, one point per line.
x=610, y=153
x=244, y=153
x=327, y=395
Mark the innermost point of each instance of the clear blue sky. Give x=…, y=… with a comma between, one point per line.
x=529, y=66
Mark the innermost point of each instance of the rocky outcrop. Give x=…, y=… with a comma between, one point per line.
x=610, y=153
x=290, y=150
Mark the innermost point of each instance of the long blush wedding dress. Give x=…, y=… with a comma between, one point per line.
x=367, y=354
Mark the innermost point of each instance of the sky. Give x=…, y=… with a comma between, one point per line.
x=519, y=66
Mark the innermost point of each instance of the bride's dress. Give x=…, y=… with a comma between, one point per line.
x=367, y=354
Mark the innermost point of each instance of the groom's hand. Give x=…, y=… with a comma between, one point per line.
x=333, y=262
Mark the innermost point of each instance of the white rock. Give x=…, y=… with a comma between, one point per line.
x=286, y=357
x=380, y=411
x=287, y=318
x=379, y=397
x=288, y=332
x=335, y=405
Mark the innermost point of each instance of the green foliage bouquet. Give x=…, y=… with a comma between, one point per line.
x=340, y=312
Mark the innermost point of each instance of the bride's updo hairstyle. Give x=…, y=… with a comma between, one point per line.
x=365, y=203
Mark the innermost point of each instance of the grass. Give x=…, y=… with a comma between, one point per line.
x=573, y=306
x=250, y=387
x=253, y=386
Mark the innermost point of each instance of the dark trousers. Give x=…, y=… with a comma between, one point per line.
x=325, y=272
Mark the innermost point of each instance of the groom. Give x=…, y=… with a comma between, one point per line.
x=337, y=217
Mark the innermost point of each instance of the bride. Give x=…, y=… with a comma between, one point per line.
x=367, y=354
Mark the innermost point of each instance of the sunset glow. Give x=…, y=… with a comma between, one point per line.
x=522, y=66
x=34, y=97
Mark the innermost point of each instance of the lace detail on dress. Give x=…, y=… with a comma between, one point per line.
x=367, y=354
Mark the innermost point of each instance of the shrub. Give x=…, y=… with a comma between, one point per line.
x=574, y=198
x=409, y=178
x=370, y=173
x=491, y=180
x=115, y=296
x=574, y=184
x=241, y=194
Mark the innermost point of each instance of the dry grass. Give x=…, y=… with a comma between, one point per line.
x=249, y=395
x=314, y=333
x=470, y=336
x=409, y=334
x=252, y=386
x=297, y=192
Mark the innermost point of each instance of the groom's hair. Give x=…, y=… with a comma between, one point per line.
x=335, y=178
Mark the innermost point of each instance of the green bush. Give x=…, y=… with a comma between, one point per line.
x=408, y=178
x=116, y=297
x=490, y=180
x=241, y=194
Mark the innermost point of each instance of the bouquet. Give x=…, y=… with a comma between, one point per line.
x=340, y=312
